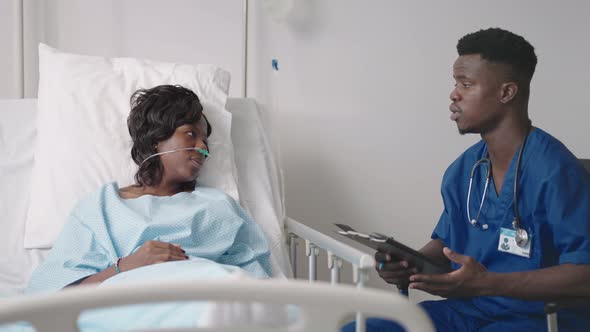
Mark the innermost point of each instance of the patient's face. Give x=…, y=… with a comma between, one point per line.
x=475, y=98
x=184, y=166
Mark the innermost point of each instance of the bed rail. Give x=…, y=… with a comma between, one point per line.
x=337, y=251
x=323, y=307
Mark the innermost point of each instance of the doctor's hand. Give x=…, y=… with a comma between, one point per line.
x=464, y=282
x=393, y=270
x=152, y=252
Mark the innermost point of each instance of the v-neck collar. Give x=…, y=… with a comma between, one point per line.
x=506, y=195
x=508, y=181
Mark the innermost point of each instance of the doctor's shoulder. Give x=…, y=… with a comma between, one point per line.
x=556, y=158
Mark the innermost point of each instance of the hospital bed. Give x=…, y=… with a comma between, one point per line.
x=323, y=306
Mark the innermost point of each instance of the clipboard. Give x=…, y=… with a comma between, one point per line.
x=386, y=243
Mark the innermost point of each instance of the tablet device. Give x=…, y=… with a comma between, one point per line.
x=385, y=243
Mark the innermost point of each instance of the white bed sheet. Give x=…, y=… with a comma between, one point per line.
x=258, y=184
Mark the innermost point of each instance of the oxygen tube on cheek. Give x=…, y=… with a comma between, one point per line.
x=203, y=152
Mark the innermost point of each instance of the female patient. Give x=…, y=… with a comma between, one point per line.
x=165, y=216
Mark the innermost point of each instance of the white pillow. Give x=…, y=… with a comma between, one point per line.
x=83, y=141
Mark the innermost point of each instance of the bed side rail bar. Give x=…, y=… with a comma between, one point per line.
x=337, y=251
x=323, y=307
x=354, y=256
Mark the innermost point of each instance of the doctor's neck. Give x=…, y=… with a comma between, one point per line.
x=506, y=138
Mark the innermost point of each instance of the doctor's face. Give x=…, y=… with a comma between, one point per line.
x=184, y=166
x=475, y=98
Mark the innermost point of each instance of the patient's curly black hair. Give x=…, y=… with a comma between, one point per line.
x=500, y=46
x=155, y=115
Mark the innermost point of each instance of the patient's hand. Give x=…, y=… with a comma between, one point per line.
x=152, y=252
x=393, y=269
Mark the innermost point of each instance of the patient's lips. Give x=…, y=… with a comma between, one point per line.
x=197, y=162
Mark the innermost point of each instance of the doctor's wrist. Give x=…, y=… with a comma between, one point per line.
x=489, y=284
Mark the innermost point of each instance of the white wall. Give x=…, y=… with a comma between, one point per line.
x=360, y=100
x=9, y=64
x=185, y=31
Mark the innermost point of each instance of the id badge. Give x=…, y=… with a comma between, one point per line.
x=507, y=243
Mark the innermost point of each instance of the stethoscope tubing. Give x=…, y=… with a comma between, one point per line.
x=522, y=237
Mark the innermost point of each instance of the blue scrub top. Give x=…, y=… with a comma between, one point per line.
x=554, y=207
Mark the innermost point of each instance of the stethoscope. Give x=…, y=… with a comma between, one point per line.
x=522, y=236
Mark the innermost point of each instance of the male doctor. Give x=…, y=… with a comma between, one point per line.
x=516, y=222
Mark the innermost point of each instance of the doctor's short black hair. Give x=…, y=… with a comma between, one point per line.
x=155, y=115
x=501, y=46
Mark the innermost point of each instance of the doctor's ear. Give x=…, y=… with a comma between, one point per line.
x=508, y=91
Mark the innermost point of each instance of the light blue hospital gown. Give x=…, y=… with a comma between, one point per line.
x=216, y=233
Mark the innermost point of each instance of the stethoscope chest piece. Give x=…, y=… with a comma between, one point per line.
x=522, y=236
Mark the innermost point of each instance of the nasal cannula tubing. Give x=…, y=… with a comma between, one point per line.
x=201, y=151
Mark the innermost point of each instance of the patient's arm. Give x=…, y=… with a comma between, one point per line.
x=96, y=278
x=151, y=252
